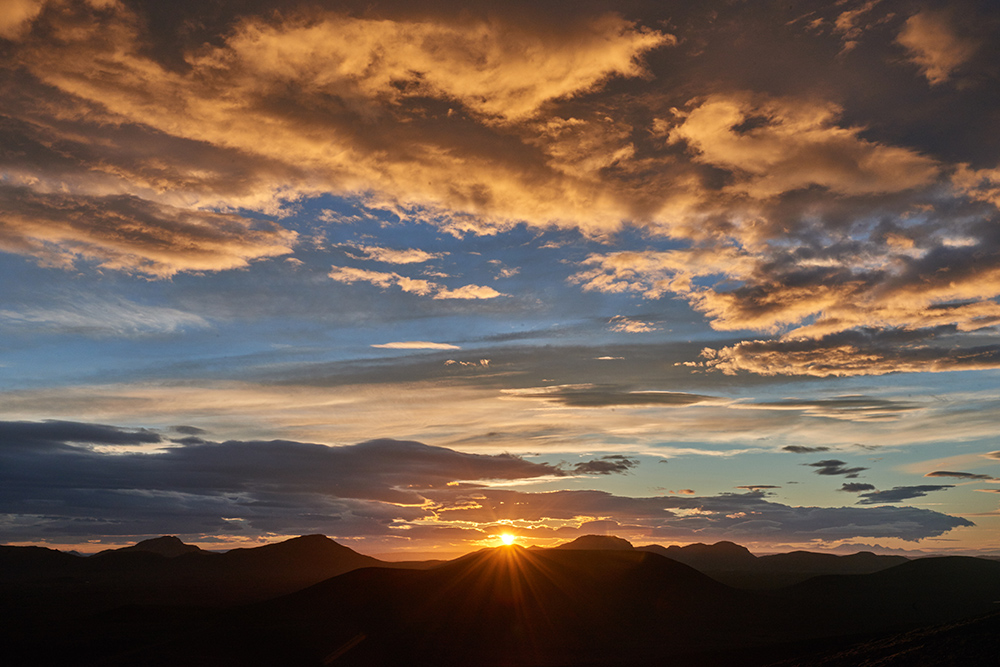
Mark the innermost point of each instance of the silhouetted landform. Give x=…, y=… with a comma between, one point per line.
x=58, y=585
x=970, y=643
x=734, y=565
x=505, y=606
x=598, y=543
x=168, y=545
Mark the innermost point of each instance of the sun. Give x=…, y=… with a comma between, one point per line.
x=507, y=539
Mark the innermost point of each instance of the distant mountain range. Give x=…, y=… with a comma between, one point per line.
x=594, y=601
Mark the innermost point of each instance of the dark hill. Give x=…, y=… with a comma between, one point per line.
x=24, y=564
x=165, y=571
x=919, y=592
x=721, y=556
x=968, y=642
x=734, y=565
x=504, y=606
x=499, y=607
x=598, y=543
x=168, y=546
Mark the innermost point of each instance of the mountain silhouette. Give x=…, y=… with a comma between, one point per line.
x=736, y=566
x=702, y=557
x=599, y=543
x=168, y=545
x=496, y=607
x=504, y=606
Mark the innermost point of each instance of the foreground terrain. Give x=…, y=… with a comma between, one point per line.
x=596, y=601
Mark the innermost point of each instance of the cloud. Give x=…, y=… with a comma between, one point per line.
x=834, y=467
x=596, y=396
x=417, y=345
x=958, y=475
x=495, y=68
x=127, y=233
x=933, y=46
x=92, y=317
x=468, y=292
x=851, y=353
x=854, y=407
x=726, y=516
x=54, y=481
x=779, y=145
x=62, y=479
x=856, y=487
x=623, y=324
x=758, y=487
x=482, y=363
x=898, y=494
x=16, y=16
x=420, y=287
x=802, y=449
x=394, y=256
x=480, y=121
x=606, y=465
x=52, y=435
x=432, y=115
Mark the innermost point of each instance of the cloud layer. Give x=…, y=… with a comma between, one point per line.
x=66, y=479
x=791, y=209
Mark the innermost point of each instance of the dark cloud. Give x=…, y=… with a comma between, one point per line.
x=49, y=485
x=856, y=487
x=959, y=475
x=758, y=487
x=802, y=449
x=900, y=493
x=835, y=467
x=63, y=435
x=188, y=430
x=594, y=396
x=377, y=488
x=854, y=407
x=606, y=465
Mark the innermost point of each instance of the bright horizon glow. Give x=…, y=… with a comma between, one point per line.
x=507, y=538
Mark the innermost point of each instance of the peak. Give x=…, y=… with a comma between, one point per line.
x=729, y=546
x=598, y=542
x=167, y=545
x=311, y=539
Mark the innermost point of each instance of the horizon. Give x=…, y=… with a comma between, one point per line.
x=514, y=541
x=415, y=274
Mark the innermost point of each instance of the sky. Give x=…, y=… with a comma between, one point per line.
x=415, y=274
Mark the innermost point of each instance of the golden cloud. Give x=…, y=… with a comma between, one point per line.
x=779, y=145
x=933, y=46
x=130, y=234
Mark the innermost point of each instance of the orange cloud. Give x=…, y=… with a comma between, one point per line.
x=849, y=353
x=933, y=46
x=130, y=234
x=779, y=145
x=346, y=274
x=357, y=105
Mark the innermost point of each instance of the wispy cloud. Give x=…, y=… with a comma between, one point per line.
x=418, y=286
x=92, y=317
x=417, y=345
x=397, y=256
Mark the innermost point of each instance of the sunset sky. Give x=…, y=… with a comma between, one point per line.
x=411, y=274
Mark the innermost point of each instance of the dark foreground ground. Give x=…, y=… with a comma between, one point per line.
x=312, y=602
